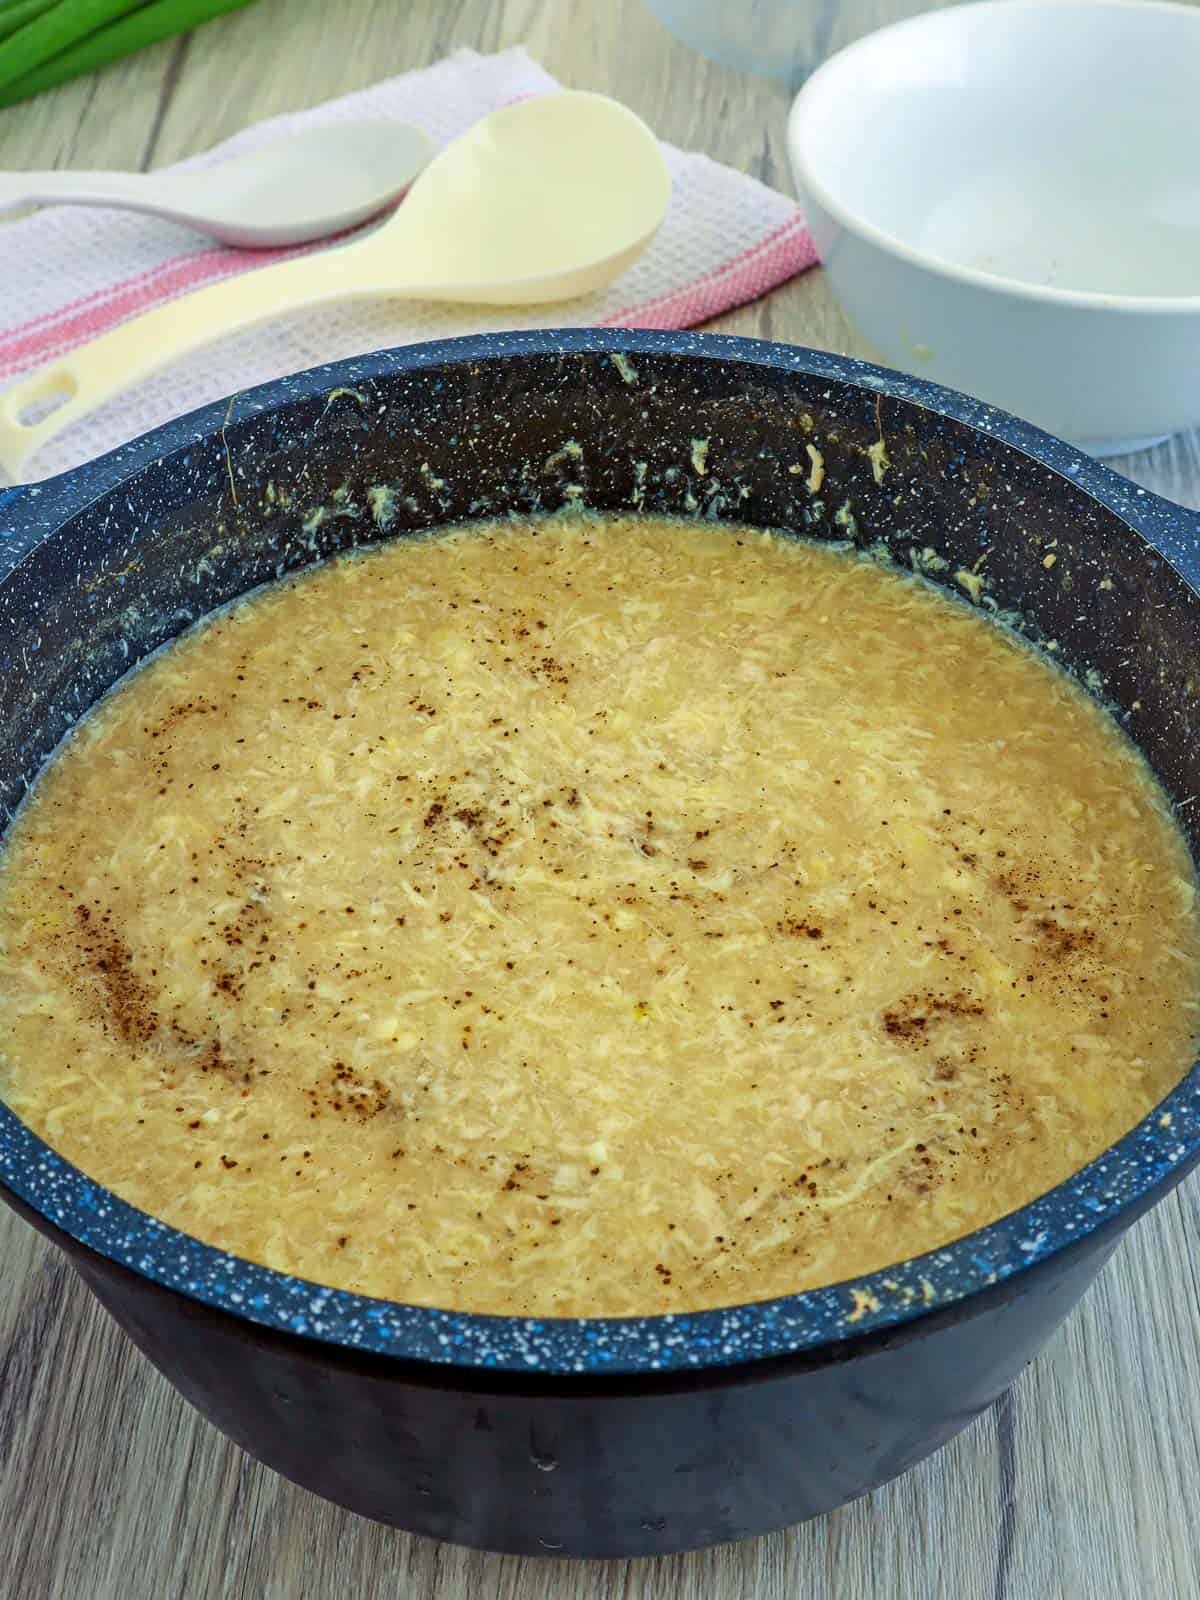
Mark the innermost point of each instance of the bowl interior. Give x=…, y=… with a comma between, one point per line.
x=1047, y=143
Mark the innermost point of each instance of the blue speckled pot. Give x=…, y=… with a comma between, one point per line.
x=611, y=1437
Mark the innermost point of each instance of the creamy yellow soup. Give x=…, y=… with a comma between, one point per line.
x=590, y=916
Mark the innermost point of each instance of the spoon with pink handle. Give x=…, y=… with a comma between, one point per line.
x=544, y=200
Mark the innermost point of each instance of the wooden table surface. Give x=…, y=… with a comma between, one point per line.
x=1083, y=1481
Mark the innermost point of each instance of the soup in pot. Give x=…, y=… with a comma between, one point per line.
x=589, y=916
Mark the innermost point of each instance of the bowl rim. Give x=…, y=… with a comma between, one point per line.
x=826, y=81
x=1123, y=1179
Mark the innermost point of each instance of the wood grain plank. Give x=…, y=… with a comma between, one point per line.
x=96, y=121
x=112, y=1488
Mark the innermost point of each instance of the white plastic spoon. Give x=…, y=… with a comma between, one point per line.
x=318, y=182
x=547, y=199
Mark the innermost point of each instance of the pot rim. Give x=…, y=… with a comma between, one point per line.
x=1153, y=1154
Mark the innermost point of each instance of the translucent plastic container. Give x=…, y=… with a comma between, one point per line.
x=785, y=39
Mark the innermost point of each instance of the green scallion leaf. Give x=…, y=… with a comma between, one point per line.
x=16, y=13
x=54, y=31
x=79, y=53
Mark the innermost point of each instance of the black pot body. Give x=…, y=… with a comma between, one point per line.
x=636, y=1466
x=123, y=556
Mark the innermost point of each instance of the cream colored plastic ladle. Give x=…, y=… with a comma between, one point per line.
x=547, y=199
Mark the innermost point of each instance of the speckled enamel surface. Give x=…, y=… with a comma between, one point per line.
x=122, y=494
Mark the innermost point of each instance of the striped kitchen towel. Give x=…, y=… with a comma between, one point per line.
x=71, y=274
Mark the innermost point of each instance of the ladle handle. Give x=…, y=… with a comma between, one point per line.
x=107, y=366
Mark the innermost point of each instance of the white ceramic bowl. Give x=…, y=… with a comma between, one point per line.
x=1006, y=197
